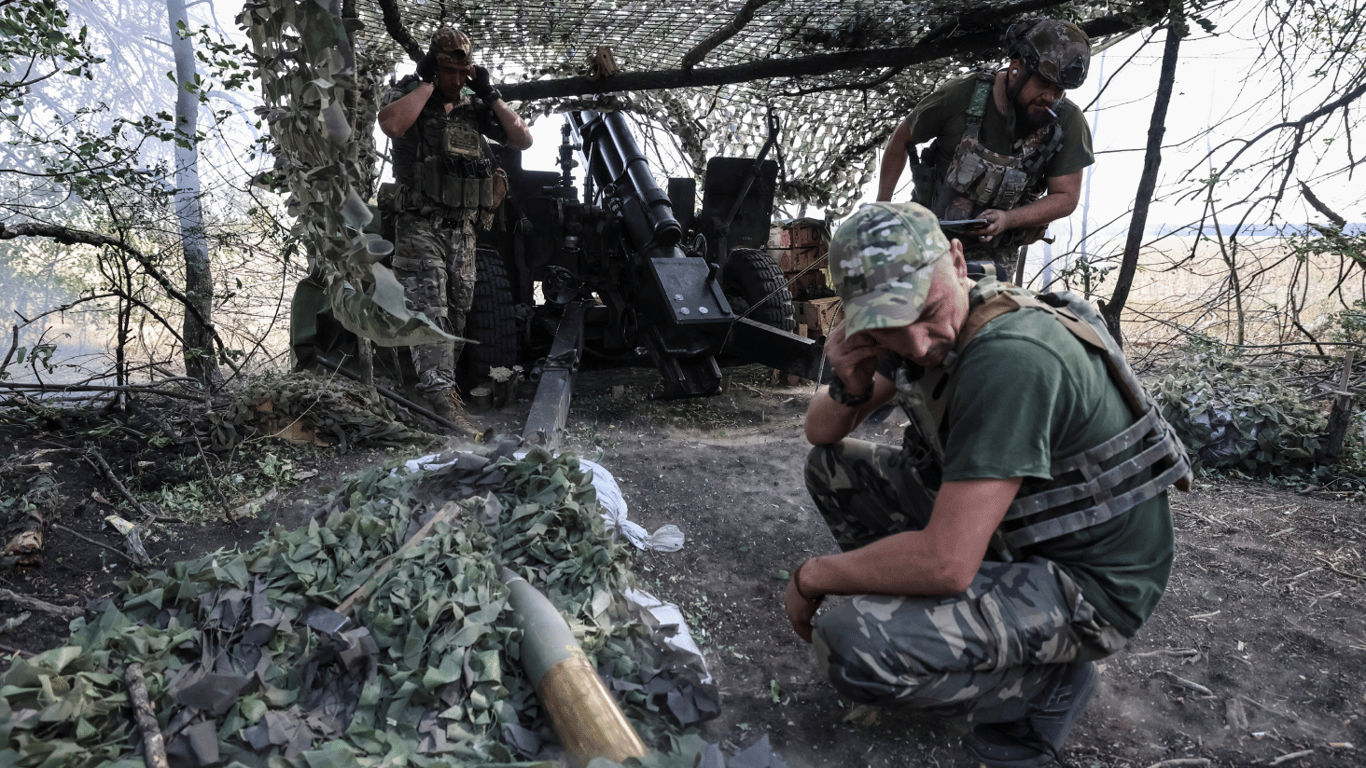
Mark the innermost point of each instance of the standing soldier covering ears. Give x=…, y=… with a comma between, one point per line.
x=445, y=185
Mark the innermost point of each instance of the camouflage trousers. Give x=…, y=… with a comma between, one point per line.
x=434, y=260
x=981, y=654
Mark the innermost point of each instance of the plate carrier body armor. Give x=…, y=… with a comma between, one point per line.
x=978, y=178
x=445, y=170
x=1063, y=505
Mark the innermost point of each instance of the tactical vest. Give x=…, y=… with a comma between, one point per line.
x=1081, y=493
x=978, y=178
x=441, y=167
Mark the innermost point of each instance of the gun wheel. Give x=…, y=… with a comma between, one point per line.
x=491, y=321
x=756, y=288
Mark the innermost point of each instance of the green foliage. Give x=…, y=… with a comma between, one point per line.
x=1088, y=273
x=442, y=646
x=1232, y=415
x=37, y=42
x=279, y=471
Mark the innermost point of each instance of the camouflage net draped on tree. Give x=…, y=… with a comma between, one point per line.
x=306, y=68
x=430, y=677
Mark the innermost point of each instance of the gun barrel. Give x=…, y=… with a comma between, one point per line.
x=615, y=158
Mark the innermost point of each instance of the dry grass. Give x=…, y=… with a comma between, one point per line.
x=1183, y=288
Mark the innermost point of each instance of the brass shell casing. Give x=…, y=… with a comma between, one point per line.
x=585, y=716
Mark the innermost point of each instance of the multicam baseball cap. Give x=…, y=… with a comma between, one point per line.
x=882, y=259
x=1059, y=51
x=451, y=46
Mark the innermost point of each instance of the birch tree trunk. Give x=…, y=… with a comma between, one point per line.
x=199, y=352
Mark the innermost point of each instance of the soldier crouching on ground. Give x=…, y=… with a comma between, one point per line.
x=445, y=183
x=1020, y=533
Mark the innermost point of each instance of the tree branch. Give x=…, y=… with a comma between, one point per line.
x=782, y=68
x=69, y=236
x=731, y=29
x=1152, y=160
x=1318, y=205
x=1299, y=124
x=393, y=24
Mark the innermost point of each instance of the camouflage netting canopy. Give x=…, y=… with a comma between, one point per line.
x=834, y=121
x=705, y=75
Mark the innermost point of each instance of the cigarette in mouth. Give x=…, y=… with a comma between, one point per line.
x=1051, y=112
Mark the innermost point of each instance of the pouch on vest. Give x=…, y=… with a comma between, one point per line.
x=922, y=175
x=964, y=170
x=471, y=192
x=387, y=197
x=460, y=139
x=431, y=173
x=1013, y=183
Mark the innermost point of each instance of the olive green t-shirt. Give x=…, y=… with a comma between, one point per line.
x=943, y=115
x=1025, y=392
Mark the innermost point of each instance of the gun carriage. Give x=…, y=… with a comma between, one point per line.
x=622, y=272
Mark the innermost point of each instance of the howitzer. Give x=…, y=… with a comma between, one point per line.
x=621, y=273
x=630, y=274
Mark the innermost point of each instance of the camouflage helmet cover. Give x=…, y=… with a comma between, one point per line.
x=882, y=259
x=451, y=46
x=1058, y=51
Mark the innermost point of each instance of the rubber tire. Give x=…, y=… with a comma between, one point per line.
x=491, y=321
x=756, y=288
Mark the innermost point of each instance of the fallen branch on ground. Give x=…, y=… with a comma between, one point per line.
x=100, y=544
x=65, y=611
x=146, y=719
x=1198, y=688
x=108, y=473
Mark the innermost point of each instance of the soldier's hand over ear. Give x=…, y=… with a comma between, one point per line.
x=427, y=68
x=853, y=358
x=482, y=85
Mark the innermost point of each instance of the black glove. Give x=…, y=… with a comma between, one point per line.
x=482, y=85
x=427, y=68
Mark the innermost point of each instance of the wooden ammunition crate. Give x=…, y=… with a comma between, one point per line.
x=818, y=315
x=800, y=247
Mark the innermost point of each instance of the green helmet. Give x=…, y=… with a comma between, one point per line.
x=882, y=259
x=1056, y=50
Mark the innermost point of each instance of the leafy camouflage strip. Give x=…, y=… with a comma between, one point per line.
x=980, y=653
x=306, y=66
x=427, y=674
x=1232, y=414
x=436, y=266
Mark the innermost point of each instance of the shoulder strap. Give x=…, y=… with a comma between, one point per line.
x=983, y=82
x=992, y=308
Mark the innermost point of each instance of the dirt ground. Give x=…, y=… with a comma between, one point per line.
x=1256, y=656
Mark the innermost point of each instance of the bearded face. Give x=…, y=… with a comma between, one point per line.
x=1033, y=102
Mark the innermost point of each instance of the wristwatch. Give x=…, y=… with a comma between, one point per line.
x=841, y=395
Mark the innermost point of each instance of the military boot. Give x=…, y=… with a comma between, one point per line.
x=447, y=404
x=1036, y=739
